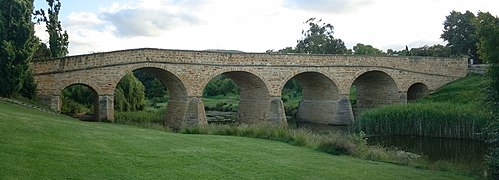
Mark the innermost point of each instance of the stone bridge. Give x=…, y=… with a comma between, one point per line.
x=326, y=81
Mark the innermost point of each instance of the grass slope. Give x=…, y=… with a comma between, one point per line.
x=37, y=145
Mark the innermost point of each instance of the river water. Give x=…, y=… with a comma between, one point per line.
x=458, y=151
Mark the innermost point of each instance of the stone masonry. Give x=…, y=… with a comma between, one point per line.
x=326, y=81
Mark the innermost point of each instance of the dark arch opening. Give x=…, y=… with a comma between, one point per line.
x=319, y=101
x=417, y=91
x=164, y=98
x=240, y=92
x=373, y=89
x=80, y=101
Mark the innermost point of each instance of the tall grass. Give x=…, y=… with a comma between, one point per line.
x=149, y=116
x=455, y=110
x=425, y=119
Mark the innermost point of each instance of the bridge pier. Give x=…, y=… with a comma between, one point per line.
x=277, y=113
x=330, y=112
x=105, y=108
x=403, y=97
x=195, y=114
x=188, y=111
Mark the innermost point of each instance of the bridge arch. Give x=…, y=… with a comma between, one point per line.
x=417, y=91
x=84, y=94
x=373, y=89
x=254, y=96
x=320, y=101
x=178, y=101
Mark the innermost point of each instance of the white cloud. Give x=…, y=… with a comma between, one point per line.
x=327, y=6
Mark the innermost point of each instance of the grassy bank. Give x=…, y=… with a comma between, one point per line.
x=455, y=110
x=37, y=145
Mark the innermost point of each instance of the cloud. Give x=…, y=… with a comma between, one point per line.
x=327, y=6
x=146, y=22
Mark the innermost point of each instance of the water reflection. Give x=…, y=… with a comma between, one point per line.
x=435, y=149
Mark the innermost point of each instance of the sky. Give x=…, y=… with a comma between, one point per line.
x=251, y=25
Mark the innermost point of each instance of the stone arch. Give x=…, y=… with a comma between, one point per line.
x=254, y=96
x=95, y=94
x=320, y=103
x=416, y=91
x=178, y=101
x=374, y=89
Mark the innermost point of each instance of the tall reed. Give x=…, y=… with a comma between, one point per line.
x=425, y=119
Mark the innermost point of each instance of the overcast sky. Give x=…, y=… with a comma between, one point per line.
x=252, y=25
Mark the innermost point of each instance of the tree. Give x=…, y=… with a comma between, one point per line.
x=488, y=33
x=366, y=50
x=58, y=39
x=434, y=51
x=18, y=44
x=459, y=32
x=318, y=39
x=129, y=94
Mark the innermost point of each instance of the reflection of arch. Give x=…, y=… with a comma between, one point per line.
x=177, y=103
x=374, y=89
x=320, y=102
x=95, y=99
x=254, y=96
x=416, y=91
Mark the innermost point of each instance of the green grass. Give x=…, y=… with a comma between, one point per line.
x=37, y=145
x=455, y=110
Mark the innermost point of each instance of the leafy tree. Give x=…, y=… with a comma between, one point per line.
x=58, y=39
x=154, y=88
x=318, y=39
x=434, y=51
x=18, y=44
x=129, y=94
x=488, y=49
x=366, y=49
x=459, y=32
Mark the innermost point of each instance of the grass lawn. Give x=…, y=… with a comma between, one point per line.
x=37, y=145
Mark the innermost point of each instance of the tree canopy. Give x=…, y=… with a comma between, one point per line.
x=360, y=48
x=459, y=32
x=18, y=44
x=58, y=39
x=319, y=39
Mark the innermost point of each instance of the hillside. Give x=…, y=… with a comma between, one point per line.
x=38, y=145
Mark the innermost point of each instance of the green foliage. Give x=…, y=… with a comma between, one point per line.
x=58, y=40
x=129, y=94
x=77, y=99
x=438, y=115
x=433, y=51
x=362, y=49
x=318, y=39
x=488, y=33
x=153, y=87
x=459, y=32
x=425, y=119
x=17, y=46
x=220, y=85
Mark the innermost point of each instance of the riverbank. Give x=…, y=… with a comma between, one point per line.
x=39, y=145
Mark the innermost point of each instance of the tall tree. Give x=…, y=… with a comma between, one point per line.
x=319, y=39
x=459, y=32
x=488, y=33
x=58, y=39
x=360, y=48
x=18, y=44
